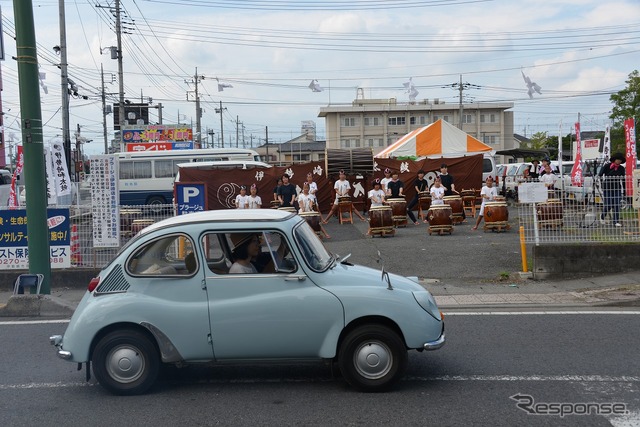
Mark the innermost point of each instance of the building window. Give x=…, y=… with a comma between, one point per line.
x=467, y=118
x=397, y=121
x=349, y=121
x=372, y=121
x=423, y=120
x=445, y=118
x=301, y=157
x=412, y=120
x=350, y=143
x=493, y=118
x=482, y=118
x=491, y=139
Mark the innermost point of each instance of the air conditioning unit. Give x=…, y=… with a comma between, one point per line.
x=436, y=101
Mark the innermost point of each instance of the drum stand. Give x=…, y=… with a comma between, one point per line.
x=422, y=213
x=344, y=213
x=498, y=226
x=440, y=229
x=469, y=205
x=382, y=231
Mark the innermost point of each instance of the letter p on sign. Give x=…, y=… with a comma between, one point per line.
x=189, y=192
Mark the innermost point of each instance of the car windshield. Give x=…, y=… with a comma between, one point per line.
x=313, y=251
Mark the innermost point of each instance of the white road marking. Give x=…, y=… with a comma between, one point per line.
x=33, y=322
x=446, y=313
x=446, y=378
x=534, y=313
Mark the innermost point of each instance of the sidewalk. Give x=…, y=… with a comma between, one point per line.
x=620, y=290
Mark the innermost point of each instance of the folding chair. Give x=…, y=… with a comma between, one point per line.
x=28, y=281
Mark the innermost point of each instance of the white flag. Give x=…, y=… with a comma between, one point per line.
x=531, y=86
x=315, y=86
x=411, y=89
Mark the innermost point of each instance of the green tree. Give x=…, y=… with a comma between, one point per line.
x=626, y=104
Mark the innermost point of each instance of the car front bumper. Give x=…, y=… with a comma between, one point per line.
x=434, y=345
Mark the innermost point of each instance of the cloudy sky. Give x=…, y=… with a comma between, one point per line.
x=578, y=51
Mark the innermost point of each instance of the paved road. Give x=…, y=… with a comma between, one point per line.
x=465, y=255
x=577, y=358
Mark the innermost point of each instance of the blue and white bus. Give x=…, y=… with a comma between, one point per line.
x=146, y=178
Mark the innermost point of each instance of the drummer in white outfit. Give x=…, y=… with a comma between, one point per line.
x=488, y=194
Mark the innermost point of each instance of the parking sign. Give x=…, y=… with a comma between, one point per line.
x=190, y=197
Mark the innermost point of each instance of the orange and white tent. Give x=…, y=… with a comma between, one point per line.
x=439, y=139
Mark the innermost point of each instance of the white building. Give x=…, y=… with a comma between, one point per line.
x=378, y=123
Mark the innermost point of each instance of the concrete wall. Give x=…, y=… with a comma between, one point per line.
x=76, y=278
x=565, y=261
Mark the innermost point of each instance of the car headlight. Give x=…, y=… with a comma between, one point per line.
x=428, y=304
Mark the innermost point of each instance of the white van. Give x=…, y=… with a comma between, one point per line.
x=5, y=186
x=489, y=168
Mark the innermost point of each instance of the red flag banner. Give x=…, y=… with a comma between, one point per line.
x=576, y=170
x=631, y=154
x=13, y=193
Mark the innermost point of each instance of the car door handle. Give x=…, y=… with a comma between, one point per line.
x=297, y=278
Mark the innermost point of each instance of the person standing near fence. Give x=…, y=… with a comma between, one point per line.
x=613, y=186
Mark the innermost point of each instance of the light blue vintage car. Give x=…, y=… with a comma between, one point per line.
x=171, y=296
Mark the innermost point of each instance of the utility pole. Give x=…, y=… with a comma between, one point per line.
x=461, y=87
x=121, y=120
x=64, y=82
x=198, y=111
x=460, y=113
x=237, y=130
x=220, y=111
x=266, y=141
x=104, y=113
x=31, y=126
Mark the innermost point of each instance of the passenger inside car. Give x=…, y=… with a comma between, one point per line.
x=246, y=248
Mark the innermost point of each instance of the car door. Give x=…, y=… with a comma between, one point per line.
x=275, y=313
x=170, y=275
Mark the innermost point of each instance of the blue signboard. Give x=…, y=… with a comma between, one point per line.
x=190, y=197
x=14, y=252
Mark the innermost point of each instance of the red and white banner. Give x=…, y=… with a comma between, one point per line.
x=631, y=154
x=576, y=172
x=13, y=193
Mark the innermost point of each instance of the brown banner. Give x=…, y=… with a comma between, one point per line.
x=224, y=185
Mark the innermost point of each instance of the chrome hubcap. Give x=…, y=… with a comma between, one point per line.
x=125, y=364
x=373, y=360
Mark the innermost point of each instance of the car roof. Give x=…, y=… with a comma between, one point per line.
x=222, y=215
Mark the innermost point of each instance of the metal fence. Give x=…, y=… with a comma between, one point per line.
x=575, y=215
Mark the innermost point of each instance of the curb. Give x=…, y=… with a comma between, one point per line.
x=36, y=306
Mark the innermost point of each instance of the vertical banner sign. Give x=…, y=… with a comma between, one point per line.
x=576, y=171
x=14, y=250
x=105, y=201
x=52, y=197
x=190, y=197
x=631, y=154
x=13, y=194
x=606, y=147
x=60, y=171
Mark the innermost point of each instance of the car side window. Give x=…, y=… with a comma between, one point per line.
x=215, y=250
x=248, y=252
x=167, y=256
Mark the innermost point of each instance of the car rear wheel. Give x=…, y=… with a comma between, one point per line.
x=126, y=362
x=372, y=358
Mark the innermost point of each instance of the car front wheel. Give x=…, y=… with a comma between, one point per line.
x=372, y=358
x=126, y=362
